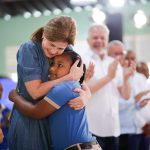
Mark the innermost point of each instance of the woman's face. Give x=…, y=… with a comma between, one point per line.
x=52, y=49
x=60, y=67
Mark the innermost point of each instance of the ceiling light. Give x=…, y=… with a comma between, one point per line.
x=36, y=14
x=117, y=3
x=67, y=10
x=83, y=2
x=57, y=12
x=140, y=19
x=98, y=16
x=77, y=9
x=7, y=17
x=27, y=15
x=46, y=12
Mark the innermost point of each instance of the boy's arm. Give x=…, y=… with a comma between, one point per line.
x=37, y=111
x=52, y=102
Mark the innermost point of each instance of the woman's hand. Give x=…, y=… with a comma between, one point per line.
x=81, y=101
x=75, y=71
x=12, y=94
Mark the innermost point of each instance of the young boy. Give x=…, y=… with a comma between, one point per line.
x=68, y=127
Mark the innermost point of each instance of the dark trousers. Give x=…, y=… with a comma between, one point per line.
x=138, y=142
x=134, y=142
x=123, y=142
x=108, y=143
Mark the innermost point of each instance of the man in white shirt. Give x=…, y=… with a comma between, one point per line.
x=107, y=81
x=130, y=137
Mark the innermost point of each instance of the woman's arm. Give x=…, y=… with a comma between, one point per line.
x=37, y=89
x=38, y=111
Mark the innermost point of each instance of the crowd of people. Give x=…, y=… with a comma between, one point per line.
x=98, y=101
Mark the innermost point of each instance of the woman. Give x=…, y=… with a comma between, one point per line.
x=32, y=67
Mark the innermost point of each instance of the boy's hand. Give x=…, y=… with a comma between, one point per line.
x=12, y=94
x=81, y=101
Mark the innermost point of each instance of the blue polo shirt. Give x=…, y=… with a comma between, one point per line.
x=67, y=126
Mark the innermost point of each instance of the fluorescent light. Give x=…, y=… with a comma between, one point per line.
x=83, y=2
x=140, y=19
x=77, y=9
x=67, y=10
x=36, y=14
x=46, y=12
x=27, y=15
x=57, y=12
x=117, y=3
x=7, y=17
x=98, y=16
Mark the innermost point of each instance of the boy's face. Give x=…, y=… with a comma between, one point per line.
x=60, y=67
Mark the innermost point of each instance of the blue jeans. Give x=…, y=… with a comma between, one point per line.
x=108, y=143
